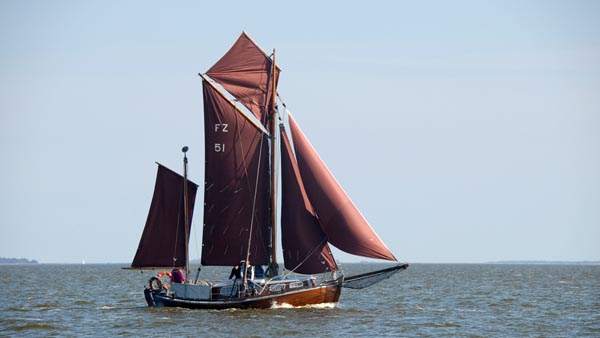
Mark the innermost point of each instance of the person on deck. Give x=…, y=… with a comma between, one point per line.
x=250, y=273
x=177, y=276
x=236, y=272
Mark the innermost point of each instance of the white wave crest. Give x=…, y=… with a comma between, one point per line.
x=105, y=307
x=310, y=306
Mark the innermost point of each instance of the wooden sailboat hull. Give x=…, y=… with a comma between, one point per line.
x=309, y=296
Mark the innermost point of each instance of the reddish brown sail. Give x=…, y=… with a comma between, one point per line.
x=236, y=199
x=343, y=224
x=244, y=71
x=163, y=242
x=304, y=243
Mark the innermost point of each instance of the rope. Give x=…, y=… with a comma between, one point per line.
x=297, y=266
x=177, y=230
x=307, y=257
x=262, y=139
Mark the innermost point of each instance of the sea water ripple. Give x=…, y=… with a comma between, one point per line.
x=469, y=300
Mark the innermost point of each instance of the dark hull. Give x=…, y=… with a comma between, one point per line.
x=307, y=296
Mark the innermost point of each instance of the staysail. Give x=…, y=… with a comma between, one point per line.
x=245, y=72
x=304, y=244
x=163, y=243
x=341, y=221
x=236, y=199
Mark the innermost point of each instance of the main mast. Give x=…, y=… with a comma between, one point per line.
x=273, y=266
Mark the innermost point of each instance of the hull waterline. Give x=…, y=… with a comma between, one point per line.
x=309, y=296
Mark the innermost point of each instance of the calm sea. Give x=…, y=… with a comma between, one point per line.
x=484, y=300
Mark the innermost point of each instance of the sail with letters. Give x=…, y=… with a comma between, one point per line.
x=236, y=185
x=250, y=146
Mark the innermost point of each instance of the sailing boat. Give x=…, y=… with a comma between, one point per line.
x=250, y=145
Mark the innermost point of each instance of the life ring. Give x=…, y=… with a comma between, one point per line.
x=156, y=284
x=164, y=273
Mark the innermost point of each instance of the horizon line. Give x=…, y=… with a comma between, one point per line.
x=516, y=262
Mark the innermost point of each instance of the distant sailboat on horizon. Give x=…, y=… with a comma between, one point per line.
x=248, y=150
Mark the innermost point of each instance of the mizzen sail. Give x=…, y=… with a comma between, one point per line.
x=236, y=198
x=341, y=221
x=163, y=242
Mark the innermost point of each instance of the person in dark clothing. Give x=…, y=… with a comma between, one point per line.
x=236, y=272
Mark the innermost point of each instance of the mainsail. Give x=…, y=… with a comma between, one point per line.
x=245, y=72
x=236, y=199
x=163, y=243
x=304, y=243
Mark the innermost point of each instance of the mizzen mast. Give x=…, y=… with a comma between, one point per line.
x=185, y=213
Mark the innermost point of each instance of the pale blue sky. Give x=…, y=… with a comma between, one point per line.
x=465, y=131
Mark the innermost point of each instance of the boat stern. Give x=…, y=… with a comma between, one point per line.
x=149, y=295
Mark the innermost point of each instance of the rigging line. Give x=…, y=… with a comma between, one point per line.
x=246, y=175
x=194, y=225
x=177, y=229
x=244, y=164
x=307, y=256
x=253, y=211
x=282, y=102
x=262, y=138
x=297, y=266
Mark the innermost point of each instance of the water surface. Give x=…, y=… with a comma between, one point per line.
x=471, y=300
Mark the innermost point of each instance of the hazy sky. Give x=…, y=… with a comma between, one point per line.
x=465, y=131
